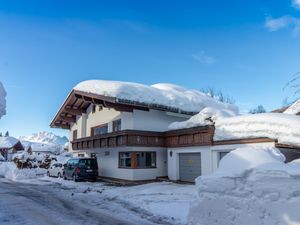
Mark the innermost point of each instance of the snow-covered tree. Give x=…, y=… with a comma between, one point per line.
x=2, y=100
x=7, y=134
x=258, y=109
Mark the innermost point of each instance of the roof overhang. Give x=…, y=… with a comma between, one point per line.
x=78, y=102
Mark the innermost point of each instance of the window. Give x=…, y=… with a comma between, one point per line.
x=93, y=108
x=221, y=155
x=117, y=125
x=125, y=159
x=137, y=160
x=74, y=134
x=146, y=159
x=103, y=129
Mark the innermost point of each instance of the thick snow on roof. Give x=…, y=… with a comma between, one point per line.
x=2, y=101
x=283, y=127
x=8, y=142
x=169, y=95
x=294, y=108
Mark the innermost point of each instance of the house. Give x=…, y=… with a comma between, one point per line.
x=8, y=146
x=140, y=132
x=123, y=124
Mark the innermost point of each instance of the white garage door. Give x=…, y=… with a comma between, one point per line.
x=189, y=166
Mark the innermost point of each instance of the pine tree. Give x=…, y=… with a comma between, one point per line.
x=6, y=134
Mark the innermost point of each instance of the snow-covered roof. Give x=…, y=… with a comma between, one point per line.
x=277, y=126
x=169, y=95
x=8, y=142
x=294, y=108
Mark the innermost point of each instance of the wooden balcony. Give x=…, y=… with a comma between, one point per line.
x=199, y=136
x=120, y=139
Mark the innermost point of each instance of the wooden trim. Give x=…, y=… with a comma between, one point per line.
x=243, y=141
x=278, y=145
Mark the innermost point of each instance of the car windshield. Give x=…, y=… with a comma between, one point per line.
x=88, y=162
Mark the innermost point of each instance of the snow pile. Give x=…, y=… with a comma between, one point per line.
x=278, y=126
x=10, y=171
x=251, y=186
x=8, y=142
x=169, y=95
x=45, y=142
x=294, y=108
x=207, y=116
x=2, y=101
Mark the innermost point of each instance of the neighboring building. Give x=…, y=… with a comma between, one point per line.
x=124, y=124
x=9, y=146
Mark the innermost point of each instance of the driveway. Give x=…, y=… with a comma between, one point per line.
x=29, y=204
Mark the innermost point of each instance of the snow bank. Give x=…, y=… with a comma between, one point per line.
x=8, y=142
x=2, y=101
x=239, y=161
x=252, y=186
x=10, y=171
x=169, y=95
x=278, y=126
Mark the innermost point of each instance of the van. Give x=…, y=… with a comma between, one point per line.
x=77, y=169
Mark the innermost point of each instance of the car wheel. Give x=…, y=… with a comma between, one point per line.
x=59, y=175
x=94, y=179
x=48, y=173
x=74, y=178
x=65, y=177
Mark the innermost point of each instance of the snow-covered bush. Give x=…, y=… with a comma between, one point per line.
x=24, y=160
x=251, y=186
x=2, y=101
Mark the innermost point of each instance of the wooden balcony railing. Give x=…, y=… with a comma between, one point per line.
x=121, y=138
x=198, y=136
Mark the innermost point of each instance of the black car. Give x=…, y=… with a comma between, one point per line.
x=81, y=169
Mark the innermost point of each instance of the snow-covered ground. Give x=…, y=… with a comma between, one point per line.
x=160, y=202
x=251, y=186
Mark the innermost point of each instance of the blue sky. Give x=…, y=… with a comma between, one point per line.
x=248, y=49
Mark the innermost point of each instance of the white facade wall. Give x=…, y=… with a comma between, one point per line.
x=108, y=162
x=209, y=157
x=155, y=120
x=152, y=120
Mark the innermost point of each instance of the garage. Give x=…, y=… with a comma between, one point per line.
x=189, y=166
